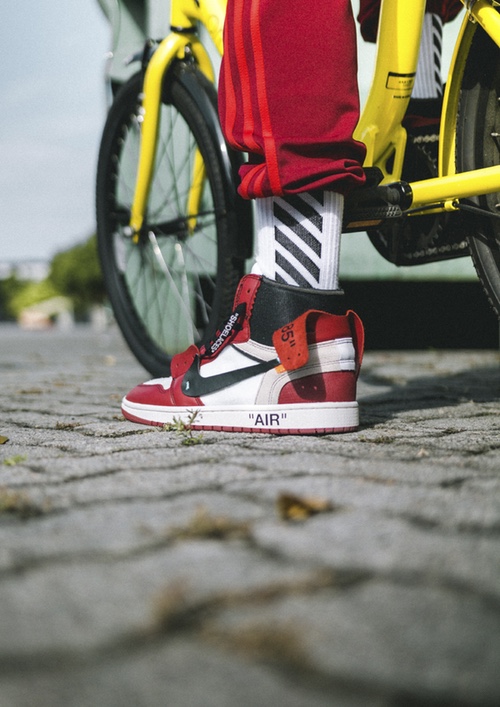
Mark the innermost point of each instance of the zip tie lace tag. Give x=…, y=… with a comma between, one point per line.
x=226, y=333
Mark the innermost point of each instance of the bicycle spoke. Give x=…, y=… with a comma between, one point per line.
x=182, y=295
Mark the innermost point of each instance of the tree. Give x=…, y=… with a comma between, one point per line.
x=31, y=293
x=76, y=273
x=9, y=288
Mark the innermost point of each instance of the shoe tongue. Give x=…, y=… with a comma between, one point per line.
x=226, y=333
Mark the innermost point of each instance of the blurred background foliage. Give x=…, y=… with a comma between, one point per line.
x=74, y=273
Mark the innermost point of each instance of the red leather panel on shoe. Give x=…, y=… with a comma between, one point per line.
x=325, y=327
x=182, y=361
x=150, y=395
x=178, y=397
x=246, y=292
x=334, y=387
x=358, y=336
x=157, y=395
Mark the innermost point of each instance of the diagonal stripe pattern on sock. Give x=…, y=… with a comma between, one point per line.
x=298, y=226
x=298, y=239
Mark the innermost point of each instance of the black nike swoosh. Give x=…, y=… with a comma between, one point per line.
x=194, y=385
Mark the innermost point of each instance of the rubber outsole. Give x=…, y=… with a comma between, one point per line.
x=312, y=418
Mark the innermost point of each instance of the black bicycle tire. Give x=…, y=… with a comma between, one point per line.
x=478, y=147
x=187, y=91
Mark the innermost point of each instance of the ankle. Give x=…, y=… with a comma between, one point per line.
x=274, y=305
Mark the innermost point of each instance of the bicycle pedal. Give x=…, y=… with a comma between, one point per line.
x=369, y=216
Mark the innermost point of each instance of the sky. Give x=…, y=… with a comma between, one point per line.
x=53, y=109
x=53, y=57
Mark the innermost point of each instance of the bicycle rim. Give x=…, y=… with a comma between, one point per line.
x=478, y=145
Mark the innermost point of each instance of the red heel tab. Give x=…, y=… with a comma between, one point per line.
x=313, y=327
x=358, y=335
x=291, y=341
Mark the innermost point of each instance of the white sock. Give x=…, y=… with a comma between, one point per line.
x=298, y=239
x=428, y=81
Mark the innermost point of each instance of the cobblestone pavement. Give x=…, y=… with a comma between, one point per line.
x=143, y=567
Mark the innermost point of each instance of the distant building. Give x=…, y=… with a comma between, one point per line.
x=33, y=270
x=42, y=315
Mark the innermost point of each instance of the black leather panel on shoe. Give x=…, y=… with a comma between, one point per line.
x=277, y=305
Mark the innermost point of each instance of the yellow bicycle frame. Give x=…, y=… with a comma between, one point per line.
x=184, y=16
x=380, y=123
x=379, y=127
x=398, y=43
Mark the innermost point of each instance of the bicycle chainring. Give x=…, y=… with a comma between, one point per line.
x=417, y=240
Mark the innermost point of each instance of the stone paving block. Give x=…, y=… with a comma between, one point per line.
x=85, y=604
x=428, y=645
x=386, y=545
x=456, y=503
x=181, y=673
x=120, y=529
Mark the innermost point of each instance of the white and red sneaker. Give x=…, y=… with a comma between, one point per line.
x=279, y=365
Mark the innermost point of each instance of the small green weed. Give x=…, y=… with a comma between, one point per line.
x=16, y=459
x=184, y=429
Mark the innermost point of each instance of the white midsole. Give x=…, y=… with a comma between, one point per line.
x=313, y=416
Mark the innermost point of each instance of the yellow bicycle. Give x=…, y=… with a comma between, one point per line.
x=173, y=235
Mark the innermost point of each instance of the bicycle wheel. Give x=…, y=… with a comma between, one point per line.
x=175, y=283
x=478, y=145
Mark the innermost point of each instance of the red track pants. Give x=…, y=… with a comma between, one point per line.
x=288, y=95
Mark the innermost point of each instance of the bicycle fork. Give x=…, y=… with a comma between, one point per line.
x=175, y=46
